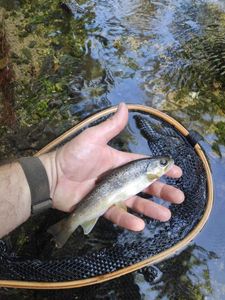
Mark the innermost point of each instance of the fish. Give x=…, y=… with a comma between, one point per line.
x=119, y=185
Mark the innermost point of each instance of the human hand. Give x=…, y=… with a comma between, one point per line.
x=74, y=169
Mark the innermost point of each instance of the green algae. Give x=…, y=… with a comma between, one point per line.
x=46, y=46
x=41, y=35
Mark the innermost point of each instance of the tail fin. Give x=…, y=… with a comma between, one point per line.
x=61, y=232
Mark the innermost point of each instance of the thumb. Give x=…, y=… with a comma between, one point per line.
x=112, y=126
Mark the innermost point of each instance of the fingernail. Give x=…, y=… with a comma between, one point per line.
x=165, y=215
x=120, y=105
x=181, y=197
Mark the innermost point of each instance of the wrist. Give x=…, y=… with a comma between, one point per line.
x=49, y=162
x=18, y=179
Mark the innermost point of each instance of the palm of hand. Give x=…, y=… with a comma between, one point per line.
x=80, y=166
x=80, y=162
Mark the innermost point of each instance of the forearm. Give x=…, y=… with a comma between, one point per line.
x=15, y=201
x=15, y=197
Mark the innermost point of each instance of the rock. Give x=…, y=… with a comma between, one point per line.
x=71, y=7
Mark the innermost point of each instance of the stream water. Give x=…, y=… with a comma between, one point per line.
x=66, y=65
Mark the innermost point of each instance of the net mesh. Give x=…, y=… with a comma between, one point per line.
x=110, y=248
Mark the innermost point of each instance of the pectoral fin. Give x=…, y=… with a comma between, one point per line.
x=121, y=205
x=88, y=226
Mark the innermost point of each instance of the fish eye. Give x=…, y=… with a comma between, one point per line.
x=163, y=162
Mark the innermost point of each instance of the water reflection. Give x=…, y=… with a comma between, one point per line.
x=185, y=276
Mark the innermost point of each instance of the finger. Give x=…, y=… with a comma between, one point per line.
x=124, y=219
x=105, y=131
x=149, y=208
x=174, y=172
x=165, y=192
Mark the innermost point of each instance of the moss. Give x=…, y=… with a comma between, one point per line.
x=132, y=64
x=220, y=132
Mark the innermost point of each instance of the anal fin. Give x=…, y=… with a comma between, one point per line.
x=89, y=225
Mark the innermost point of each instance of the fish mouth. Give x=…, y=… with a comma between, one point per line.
x=169, y=165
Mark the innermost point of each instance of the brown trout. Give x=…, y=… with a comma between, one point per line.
x=116, y=187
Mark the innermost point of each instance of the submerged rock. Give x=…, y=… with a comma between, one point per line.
x=71, y=7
